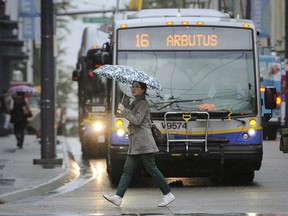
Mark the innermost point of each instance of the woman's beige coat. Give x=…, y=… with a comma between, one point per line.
x=141, y=140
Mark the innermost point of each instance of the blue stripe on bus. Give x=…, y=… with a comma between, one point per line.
x=235, y=138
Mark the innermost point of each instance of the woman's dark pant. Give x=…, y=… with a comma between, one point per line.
x=149, y=163
x=19, y=131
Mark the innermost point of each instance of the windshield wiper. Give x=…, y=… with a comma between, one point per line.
x=176, y=101
x=224, y=113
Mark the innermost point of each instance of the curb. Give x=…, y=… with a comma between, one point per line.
x=71, y=173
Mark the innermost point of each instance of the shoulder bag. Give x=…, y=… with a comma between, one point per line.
x=26, y=111
x=157, y=135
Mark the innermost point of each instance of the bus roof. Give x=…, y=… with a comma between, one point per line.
x=149, y=13
x=158, y=17
x=92, y=38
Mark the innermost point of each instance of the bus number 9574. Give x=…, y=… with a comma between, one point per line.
x=174, y=125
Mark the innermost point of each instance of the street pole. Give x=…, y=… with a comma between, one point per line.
x=48, y=131
x=272, y=26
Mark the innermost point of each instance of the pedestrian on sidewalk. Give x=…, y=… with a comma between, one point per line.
x=141, y=147
x=18, y=118
x=5, y=103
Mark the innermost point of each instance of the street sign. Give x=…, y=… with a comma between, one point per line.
x=104, y=20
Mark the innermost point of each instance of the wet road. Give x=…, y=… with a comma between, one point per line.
x=267, y=195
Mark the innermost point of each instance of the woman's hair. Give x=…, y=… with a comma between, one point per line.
x=143, y=86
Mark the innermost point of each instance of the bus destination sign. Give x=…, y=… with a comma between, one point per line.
x=180, y=38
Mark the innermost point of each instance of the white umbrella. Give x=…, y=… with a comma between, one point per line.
x=127, y=74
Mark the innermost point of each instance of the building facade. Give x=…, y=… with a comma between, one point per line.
x=11, y=55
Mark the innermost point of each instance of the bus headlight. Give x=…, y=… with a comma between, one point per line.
x=245, y=136
x=251, y=132
x=120, y=132
x=98, y=126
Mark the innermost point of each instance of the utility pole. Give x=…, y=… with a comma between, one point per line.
x=48, y=131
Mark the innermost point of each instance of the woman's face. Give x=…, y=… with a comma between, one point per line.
x=136, y=89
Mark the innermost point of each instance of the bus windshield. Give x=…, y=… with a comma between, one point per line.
x=224, y=79
x=194, y=66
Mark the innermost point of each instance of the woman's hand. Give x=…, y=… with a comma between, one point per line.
x=121, y=107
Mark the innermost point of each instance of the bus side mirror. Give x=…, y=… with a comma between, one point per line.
x=97, y=59
x=100, y=58
x=270, y=97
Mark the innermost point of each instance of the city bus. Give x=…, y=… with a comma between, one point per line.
x=272, y=74
x=92, y=93
x=209, y=107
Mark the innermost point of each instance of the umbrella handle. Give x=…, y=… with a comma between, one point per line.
x=124, y=93
x=118, y=111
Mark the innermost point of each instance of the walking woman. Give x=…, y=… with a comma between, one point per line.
x=18, y=118
x=141, y=147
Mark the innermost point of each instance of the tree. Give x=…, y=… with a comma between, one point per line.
x=64, y=83
x=64, y=86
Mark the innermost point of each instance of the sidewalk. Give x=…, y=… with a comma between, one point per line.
x=20, y=178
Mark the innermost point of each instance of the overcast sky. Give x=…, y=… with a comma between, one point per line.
x=72, y=42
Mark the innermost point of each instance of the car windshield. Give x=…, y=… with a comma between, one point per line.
x=222, y=79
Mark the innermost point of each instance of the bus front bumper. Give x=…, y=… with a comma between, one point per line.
x=195, y=161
